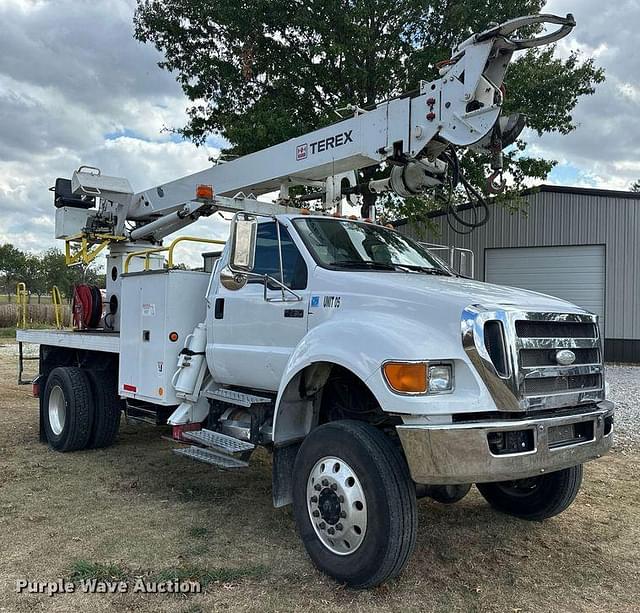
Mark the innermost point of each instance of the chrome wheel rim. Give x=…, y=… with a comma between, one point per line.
x=57, y=410
x=337, y=505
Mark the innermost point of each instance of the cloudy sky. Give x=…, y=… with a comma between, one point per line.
x=76, y=88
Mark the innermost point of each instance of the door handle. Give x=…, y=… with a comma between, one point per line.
x=294, y=313
x=218, y=310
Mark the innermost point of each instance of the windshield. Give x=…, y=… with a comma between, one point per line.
x=344, y=244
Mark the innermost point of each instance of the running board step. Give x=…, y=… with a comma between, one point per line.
x=232, y=397
x=210, y=457
x=218, y=441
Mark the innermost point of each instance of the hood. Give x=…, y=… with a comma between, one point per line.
x=452, y=292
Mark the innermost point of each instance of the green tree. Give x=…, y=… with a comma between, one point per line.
x=41, y=272
x=635, y=186
x=262, y=71
x=13, y=267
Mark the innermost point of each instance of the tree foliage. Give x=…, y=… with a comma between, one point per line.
x=41, y=272
x=259, y=72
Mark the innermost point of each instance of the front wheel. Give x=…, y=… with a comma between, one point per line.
x=536, y=498
x=354, y=503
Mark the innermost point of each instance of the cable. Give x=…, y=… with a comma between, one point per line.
x=475, y=199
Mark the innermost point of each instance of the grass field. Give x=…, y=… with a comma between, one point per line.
x=136, y=510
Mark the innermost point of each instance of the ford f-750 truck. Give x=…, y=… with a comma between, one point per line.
x=371, y=370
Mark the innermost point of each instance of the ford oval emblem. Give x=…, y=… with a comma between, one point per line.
x=565, y=357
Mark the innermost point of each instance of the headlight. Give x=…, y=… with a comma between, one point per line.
x=418, y=377
x=440, y=378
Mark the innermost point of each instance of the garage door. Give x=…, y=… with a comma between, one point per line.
x=575, y=274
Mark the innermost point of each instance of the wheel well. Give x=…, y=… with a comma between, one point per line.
x=346, y=396
x=320, y=393
x=324, y=392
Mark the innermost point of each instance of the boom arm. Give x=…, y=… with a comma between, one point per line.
x=462, y=108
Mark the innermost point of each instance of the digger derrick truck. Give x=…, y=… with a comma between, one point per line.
x=372, y=372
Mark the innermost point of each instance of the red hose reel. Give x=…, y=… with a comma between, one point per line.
x=86, y=307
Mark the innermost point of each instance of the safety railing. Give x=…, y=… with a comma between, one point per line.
x=457, y=258
x=146, y=253
x=56, y=301
x=22, y=302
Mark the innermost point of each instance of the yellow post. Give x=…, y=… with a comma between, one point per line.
x=22, y=300
x=56, y=300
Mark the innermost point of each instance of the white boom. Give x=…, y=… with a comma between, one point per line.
x=410, y=135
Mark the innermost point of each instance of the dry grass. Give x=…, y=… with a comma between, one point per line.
x=137, y=510
x=36, y=314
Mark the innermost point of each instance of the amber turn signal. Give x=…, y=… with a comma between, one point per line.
x=204, y=192
x=407, y=377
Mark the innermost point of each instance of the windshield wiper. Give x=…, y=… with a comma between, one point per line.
x=425, y=269
x=363, y=264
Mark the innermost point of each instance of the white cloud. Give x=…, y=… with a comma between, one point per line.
x=606, y=144
x=76, y=88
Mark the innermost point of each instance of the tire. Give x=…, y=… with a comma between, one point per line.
x=108, y=409
x=68, y=409
x=372, y=475
x=537, y=498
x=449, y=494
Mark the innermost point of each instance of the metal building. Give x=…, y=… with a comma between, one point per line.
x=582, y=245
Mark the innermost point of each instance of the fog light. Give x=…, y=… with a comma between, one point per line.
x=440, y=378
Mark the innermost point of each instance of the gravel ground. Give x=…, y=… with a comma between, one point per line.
x=624, y=390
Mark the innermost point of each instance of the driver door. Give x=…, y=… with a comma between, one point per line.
x=253, y=338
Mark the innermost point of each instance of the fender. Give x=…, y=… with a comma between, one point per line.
x=361, y=347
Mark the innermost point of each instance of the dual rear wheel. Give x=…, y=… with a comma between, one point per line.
x=81, y=409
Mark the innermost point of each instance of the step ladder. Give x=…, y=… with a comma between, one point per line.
x=241, y=399
x=215, y=448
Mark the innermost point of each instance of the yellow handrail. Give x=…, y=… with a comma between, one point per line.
x=147, y=252
x=22, y=299
x=192, y=239
x=56, y=300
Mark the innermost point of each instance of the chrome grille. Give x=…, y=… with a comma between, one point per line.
x=529, y=374
x=553, y=385
x=547, y=357
x=542, y=382
x=556, y=329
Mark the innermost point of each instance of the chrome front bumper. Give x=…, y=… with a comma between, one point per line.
x=460, y=453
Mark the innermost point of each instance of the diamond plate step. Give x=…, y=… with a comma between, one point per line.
x=220, y=442
x=211, y=457
x=233, y=397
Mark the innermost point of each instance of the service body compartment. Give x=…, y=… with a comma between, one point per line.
x=155, y=304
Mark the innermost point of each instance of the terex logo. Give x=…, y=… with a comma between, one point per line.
x=331, y=142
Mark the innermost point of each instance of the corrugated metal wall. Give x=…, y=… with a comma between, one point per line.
x=551, y=218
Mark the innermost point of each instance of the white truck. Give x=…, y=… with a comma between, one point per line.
x=371, y=370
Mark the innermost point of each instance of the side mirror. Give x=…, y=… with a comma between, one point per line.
x=244, y=231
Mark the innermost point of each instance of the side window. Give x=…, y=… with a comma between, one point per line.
x=268, y=258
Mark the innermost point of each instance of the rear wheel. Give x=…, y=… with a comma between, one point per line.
x=536, y=498
x=108, y=408
x=354, y=503
x=68, y=413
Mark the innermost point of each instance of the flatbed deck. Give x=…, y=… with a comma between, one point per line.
x=108, y=342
